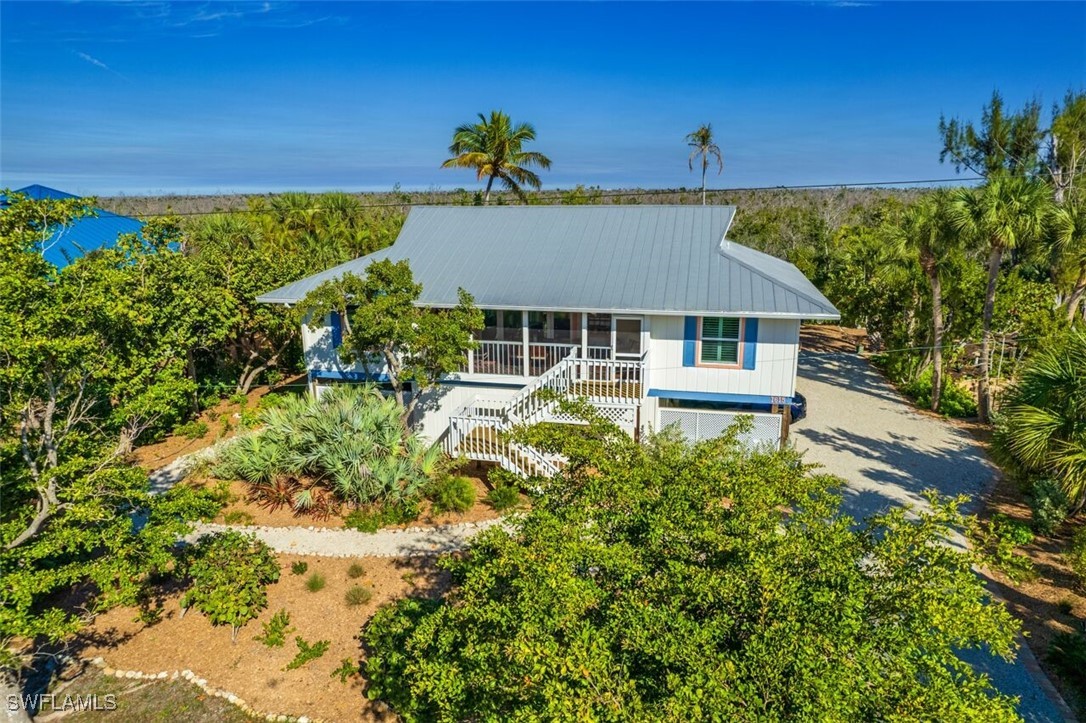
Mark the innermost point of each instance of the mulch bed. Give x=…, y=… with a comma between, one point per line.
x=256, y=672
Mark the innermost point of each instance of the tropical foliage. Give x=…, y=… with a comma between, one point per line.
x=385, y=330
x=673, y=582
x=230, y=573
x=349, y=442
x=1041, y=428
x=494, y=149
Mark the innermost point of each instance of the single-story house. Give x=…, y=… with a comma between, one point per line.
x=649, y=312
x=84, y=234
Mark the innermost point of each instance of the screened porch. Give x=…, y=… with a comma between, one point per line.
x=526, y=343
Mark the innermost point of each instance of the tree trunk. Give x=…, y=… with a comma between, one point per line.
x=486, y=196
x=1075, y=297
x=704, y=168
x=937, y=338
x=984, y=392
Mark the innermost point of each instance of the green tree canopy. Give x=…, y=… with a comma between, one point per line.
x=494, y=149
x=669, y=583
x=384, y=328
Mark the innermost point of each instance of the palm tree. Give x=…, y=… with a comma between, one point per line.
x=1069, y=248
x=925, y=232
x=701, y=141
x=1007, y=212
x=493, y=148
x=1040, y=426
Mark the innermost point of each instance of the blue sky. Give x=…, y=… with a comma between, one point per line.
x=151, y=97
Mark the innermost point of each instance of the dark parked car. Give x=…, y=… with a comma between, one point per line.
x=799, y=407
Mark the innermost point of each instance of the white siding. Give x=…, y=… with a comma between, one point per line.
x=441, y=401
x=320, y=355
x=774, y=372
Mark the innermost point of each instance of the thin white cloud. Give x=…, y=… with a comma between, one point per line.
x=92, y=60
x=88, y=58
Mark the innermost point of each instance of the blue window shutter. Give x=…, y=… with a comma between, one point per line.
x=337, y=330
x=750, y=342
x=690, y=341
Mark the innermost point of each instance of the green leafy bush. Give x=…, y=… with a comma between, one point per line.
x=1067, y=653
x=373, y=517
x=998, y=540
x=451, y=494
x=1076, y=555
x=315, y=582
x=503, y=497
x=358, y=595
x=350, y=441
x=307, y=652
x=630, y=589
x=955, y=401
x=237, y=517
x=192, y=430
x=276, y=630
x=230, y=573
x=299, y=567
x=356, y=570
x=1048, y=505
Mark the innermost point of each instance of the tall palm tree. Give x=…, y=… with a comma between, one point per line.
x=926, y=233
x=701, y=141
x=1069, y=249
x=1005, y=213
x=493, y=147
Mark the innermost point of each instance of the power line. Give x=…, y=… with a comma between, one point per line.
x=554, y=197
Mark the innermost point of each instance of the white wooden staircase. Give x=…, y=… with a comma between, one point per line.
x=479, y=430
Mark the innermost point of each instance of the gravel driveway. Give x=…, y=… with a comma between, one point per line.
x=860, y=429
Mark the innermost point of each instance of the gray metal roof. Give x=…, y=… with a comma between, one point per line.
x=646, y=259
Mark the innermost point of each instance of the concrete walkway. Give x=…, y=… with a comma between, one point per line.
x=860, y=429
x=332, y=542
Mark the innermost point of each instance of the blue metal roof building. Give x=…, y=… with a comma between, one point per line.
x=85, y=234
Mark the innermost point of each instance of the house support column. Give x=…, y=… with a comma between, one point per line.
x=524, y=349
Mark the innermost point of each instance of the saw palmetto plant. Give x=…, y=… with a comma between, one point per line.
x=1041, y=428
x=348, y=446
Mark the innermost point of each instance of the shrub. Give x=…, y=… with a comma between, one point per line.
x=1076, y=555
x=374, y=517
x=1066, y=605
x=239, y=399
x=307, y=652
x=230, y=573
x=1048, y=505
x=352, y=439
x=276, y=630
x=1039, y=430
x=237, y=517
x=315, y=582
x=503, y=497
x=358, y=595
x=1067, y=653
x=955, y=401
x=452, y=494
x=346, y=669
x=192, y=430
x=356, y=570
x=998, y=540
x=299, y=567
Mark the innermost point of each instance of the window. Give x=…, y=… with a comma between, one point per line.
x=720, y=338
